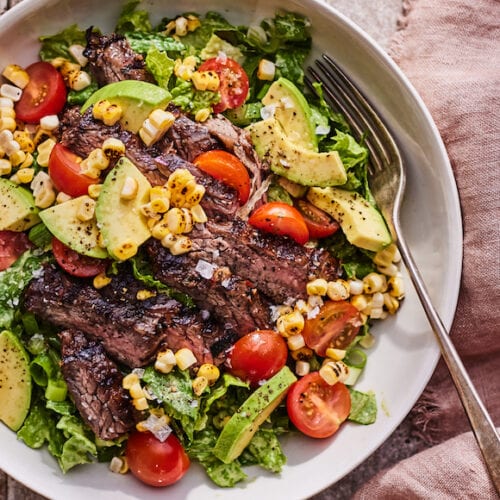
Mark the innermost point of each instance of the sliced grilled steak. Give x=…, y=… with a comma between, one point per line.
x=130, y=330
x=111, y=59
x=95, y=385
x=234, y=301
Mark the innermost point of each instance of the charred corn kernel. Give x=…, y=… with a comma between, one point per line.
x=25, y=175
x=62, y=197
x=160, y=230
x=140, y=404
x=92, y=173
x=176, y=221
x=206, y=80
x=158, y=192
x=356, y=287
x=2, y=153
x=86, y=209
x=101, y=280
x=194, y=196
x=42, y=135
x=94, y=190
x=266, y=70
x=301, y=306
x=193, y=22
x=43, y=190
x=108, y=113
x=129, y=380
x=44, y=149
x=49, y=122
x=5, y=102
x=334, y=371
x=76, y=50
x=6, y=112
x=126, y=250
x=161, y=119
x=386, y=256
x=374, y=282
x=163, y=367
x=118, y=465
x=66, y=67
x=57, y=62
x=210, y=372
x=17, y=75
x=169, y=239
x=317, y=287
x=391, y=303
x=7, y=143
x=170, y=27
x=5, y=167
x=198, y=214
x=302, y=354
x=178, y=178
x=17, y=157
x=181, y=245
x=167, y=356
x=377, y=300
x=295, y=342
x=199, y=385
x=129, y=189
x=396, y=287
x=302, y=368
x=97, y=159
x=185, y=358
x=8, y=124
x=153, y=216
x=290, y=324
x=147, y=138
x=145, y=294
x=12, y=92
x=377, y=313
x=181, y=26
x=113, y=148
x=160, y=205
x=335, y=354
x=360, y=302
x=80, y=81
x=390, y=270
x=338, y=290
x=184, y=69
x=99, y=107
x=136, y=391
x=24, y=140
x=202, y=115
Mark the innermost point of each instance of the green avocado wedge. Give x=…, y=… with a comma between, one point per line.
x=15, y=381
x=136, y=98
x=17, y=207
x=242, y=426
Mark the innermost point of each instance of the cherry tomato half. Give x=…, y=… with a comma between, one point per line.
x=279, y=218
x=66, y=174
x=258, y=356
x=319, y=223
x=316, y=408
x=336, y=325
x=12, y=245
x=44, y=95
x=234, y=82
x=228, y=169
x=154, y=462
x=76, y=264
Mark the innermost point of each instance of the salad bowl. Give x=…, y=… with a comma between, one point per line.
x=404, y=357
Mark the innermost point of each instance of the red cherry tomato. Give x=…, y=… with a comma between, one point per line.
x=154, y=462
x=12, y=246
x=75, y=264
x=279, y=218
x=258, y=356
x=319, y=223
x=44, y=95
x=234, y=82
x=66, y=174
x=316, y=408
x=228, y=169
x=336, y=325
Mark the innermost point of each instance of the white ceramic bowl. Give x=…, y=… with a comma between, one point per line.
x=405, y=355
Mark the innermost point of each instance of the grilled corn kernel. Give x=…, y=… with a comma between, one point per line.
x=266, y=70
x=97, y=159
x=302, y=368
x=198, y=214
x=158, y=192
x=193, y=22
x=86, y=209
x=302, y=354
x=356, y=287
x=99, y=107
x=5, y=102
x=101, y=280
x=129, y=189
x=181, y=26
x=148, y=211
x=160, y=205
x=334, y=371
x=8, y=124
x=377, y=313
x=17, y=157
x=386, y=256
x=181, y=245
x=185, y=358
x=161, y=119
x=25, y=175
x=62, y=197
x=118, y=465
x=338, y=290
x=176, y=221
x=178, y=178
x=199, y=385
x=167, y=356
x=76, y=50
x=163, y=367
x=396, y=287
x=317, y=287
x=290, y=324
x=113, y=148
x=374, y=282
x=79, y=80
x=295, y=342
x=17, y=75
x=145, y=294
x=160, y=230
x=125, y=250
x=41, y=136
x=140, y=404
x=335, y=354
x=28, y=161
x=391, y=303
x=377, y=300
x=49, y=122
x=202, y=115
x=44, y=149
x=94, y=190
x=206, y=80
x=129, y=380
x=11, y=92
x=210, y=372
x=92, y=173
x=136, y=391
x=390, y=270
x=5, y=167
x=7, y=112
x=43, y=190
x=360, y=302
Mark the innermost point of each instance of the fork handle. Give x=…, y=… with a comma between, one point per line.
x=484, y=430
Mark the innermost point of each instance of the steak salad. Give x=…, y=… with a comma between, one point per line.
x=191, y=259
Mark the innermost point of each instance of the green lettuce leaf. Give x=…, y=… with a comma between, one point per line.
x=57, y=45
x=190, y=100
x=363, y=407
x=265, y=450
x=131, y=20
x=160, y=66
x=142, y=42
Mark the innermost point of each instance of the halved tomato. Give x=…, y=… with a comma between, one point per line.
x=234, y=82
x=279, y=218
x=75, y=264
x=66, y=173
x=44, y=95
x=319, y=223
x=12, y=245
x=228, y=169
x=336, y=325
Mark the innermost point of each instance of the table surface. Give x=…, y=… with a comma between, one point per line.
x=379, y=19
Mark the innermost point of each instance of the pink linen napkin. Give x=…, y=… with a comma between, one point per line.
x=450, y=51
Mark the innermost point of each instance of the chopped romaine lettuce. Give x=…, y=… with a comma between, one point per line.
x=131, y=20
x=57, y=45
x=160, y=66
x=363, y=407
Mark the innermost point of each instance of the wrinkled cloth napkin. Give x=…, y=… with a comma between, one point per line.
x=450, y=51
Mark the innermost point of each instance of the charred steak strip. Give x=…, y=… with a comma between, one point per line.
x=95, y=385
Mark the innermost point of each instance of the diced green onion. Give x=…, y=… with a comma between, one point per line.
x=41, y=369
x=355, y=358
x=40, y=236
x=56, y=390
x=30, y=323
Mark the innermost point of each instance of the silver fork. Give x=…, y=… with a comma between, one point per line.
x=387, y=182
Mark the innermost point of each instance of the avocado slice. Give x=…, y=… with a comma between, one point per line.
x=62, y=221
x=296, y=163
x=362, y=224
x=293, y=113
x=17, y=207
x=15, y=381
x=136, y=98
x=121, y=221
x=241, y=427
